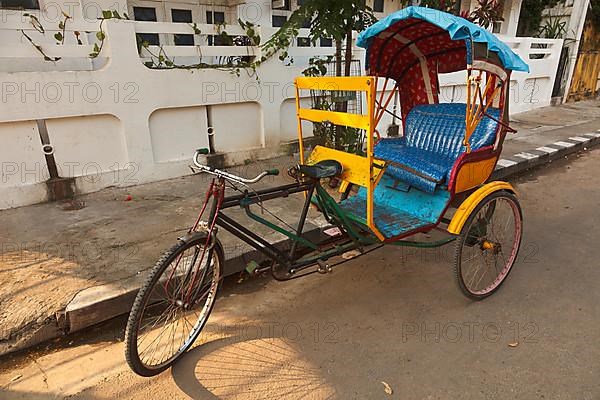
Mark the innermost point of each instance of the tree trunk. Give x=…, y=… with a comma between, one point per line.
x=338, y=105
x=348, y=53
x=338, y=57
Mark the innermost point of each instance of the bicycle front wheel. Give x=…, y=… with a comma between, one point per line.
x=173, y=304
x=488, y=245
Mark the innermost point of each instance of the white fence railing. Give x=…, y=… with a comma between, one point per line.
x=527, y=90
x=19, y=54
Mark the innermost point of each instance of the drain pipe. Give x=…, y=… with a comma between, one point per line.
x=47, y=148
x=210, y=130
x=58, y=188
x=213, y=159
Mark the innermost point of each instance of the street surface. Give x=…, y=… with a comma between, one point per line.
x=391, y=321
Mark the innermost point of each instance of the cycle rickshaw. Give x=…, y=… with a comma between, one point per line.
x=431, y=178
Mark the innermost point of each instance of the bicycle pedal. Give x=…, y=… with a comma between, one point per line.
x=324, y=267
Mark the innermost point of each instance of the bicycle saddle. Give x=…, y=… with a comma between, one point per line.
x=322, y=169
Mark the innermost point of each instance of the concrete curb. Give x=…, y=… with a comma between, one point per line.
x=525, y=160
x=101, y=303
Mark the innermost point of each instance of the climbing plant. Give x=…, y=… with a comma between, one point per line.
x=157, y=59
x=485, y=14
x=530, y=18
x=553, y=27
x=233, y=64
x=335, y=19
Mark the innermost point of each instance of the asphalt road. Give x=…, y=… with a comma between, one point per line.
x=392, y=318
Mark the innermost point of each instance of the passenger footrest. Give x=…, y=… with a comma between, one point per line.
x=397, y=212
x=390, y=221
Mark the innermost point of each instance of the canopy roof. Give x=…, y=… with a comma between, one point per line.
x=435, y=35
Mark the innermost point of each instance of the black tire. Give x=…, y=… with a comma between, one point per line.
x=476, y=235
x=184, y=288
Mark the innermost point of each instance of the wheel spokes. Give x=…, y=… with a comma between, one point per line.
x=494, y=229
x=164, y=328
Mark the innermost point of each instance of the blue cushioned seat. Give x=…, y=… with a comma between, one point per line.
x=432, y=142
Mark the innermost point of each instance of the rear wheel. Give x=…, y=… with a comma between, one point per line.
x=173, y=305
x=488, y=245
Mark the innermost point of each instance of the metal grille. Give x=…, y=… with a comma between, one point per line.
x=335, y=136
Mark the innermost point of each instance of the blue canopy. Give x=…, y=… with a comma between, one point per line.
x=458, y=29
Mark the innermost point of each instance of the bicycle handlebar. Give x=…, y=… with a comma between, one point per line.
x=227, y=175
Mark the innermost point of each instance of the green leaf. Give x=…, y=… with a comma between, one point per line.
x=149, y=64
x=61, y=25
x=145, y=43
x=58, y=36
x=116, y=15
x=96, y=48
x=100, y=35
x=106, y=14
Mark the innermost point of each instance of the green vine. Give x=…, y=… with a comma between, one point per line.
x=160, y=59
x=231, y=64
x=35, y=22
x=60, y=36
x=101, y=35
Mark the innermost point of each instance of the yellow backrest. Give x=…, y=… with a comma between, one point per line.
x=363, y=171
x=356, y=168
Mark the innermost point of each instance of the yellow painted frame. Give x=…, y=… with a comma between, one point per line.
x=475, y=103
x=355, y=166
x=366, y=84
x=466, y=208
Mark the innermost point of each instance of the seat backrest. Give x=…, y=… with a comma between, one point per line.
x=440, y=128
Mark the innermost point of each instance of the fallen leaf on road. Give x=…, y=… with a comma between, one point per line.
x=16, y=378
x=387, y=388
x=349, y=255
x=515, y=344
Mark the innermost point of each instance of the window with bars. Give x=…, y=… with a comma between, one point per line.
x=326, y=42
x=378, y=5
x=303, y=42
x=146, y=14
x=179, y=15
x=20, y=4
x=278, y=20
x=281, y=5
x=215, y=17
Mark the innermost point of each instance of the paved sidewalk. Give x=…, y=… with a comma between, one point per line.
x=62, y=270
